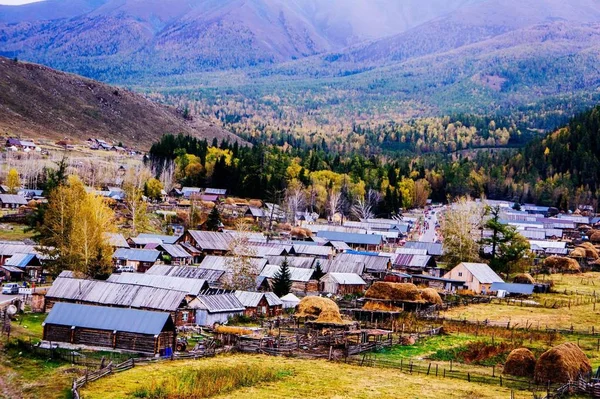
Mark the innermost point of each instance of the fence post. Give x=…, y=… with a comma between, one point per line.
x=500, y=380
x=428, y=368
x=436, y=370
x=493, y=371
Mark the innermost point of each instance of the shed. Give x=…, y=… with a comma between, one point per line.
x=290, y=301
x=126, y=329
x=211, y=309
x=342, y=283
x=30, y=263
x=478, y=277
x=175, y=254
x=140, y=259
x=262, y=304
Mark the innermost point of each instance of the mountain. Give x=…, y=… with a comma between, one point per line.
x=36, y=101
x=113, y=38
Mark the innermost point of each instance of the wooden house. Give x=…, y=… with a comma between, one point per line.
x=301, y=279
x=29, y=263
x=213, y=309
x=174, y=254
x=342, y=284
x=12, y=201
x=212, y=276
x=478, y=277
x=260, y=304
x=100, y=326
x=368, y=242
x=209, y=242
x=139, y=259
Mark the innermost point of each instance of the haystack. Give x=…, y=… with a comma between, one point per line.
x=590, y=250
x=524, y=278
x=301, y=232
x=562, y=264
x=431, y=296
x=401, y=292
x=577, y=253
x=594, y=236
x=381, y=306
x=520, y=363
x=319, y=310
x=561, y=364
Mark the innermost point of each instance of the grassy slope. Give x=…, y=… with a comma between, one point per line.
x=310, y=379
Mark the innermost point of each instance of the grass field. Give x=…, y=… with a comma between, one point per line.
x=585, y=283
x=16, y=232
x=306, y=379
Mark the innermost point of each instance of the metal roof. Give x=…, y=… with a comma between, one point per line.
x=211, y=240
x=314, y=250
x=338, y=245
x=175, y=251
x=192, y=286
x=296, y=273
x=226, y=263
x=482, y=272
x=12, y=269
x=372, y=263
x=194, y=272
x=139, y=255
x=251, y=299
x=19, y=260
x=108, y=318
x=220, y=303
x=13, y=199
x=8, y=249
x=116, y=240
x=433, y=248
x=513, y=288
x=107, y=293
x=165, y=239
x=548, y=244
x=303, y=262
x=411, y=251
x=344, y=278
x=215, y=191
x=315, y=228
x=342, y=266
x=412, y=260
x=352, y=238
x=145, y=240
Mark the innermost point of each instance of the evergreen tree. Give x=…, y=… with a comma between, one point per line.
x=318, y=273
x=214, y=220
x=282, y=282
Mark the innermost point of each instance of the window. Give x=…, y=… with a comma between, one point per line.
x=459, y=274
x=184, y=316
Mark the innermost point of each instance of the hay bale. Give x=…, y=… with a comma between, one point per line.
x=590, y=250
x=524, y=278
x=431, y=296
x=255, y=203
x=594, y=236
x=381, y=306
x=384, y=290
x=561, y=364
x=319, y=310
x=577, y=253
x=301, y=232
x=562, y=264
x=520, y=363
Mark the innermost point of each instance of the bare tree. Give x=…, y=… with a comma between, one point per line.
x=363, y=208
x=334, y=202
x=460, y=227
x=295, y=200
x=242, y=271
x=167, y=175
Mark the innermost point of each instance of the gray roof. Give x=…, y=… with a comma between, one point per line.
x=338, y=245
x=483, y=273
x=313, y=250
x=215, y=191
x=304, y=262
x=513, y=288
x=411, y=251
x=220, y=303
x=344, y=278
x=108, y=318
x=13, y=199
x=296, y=273
x=225, y=263
x=352, y=238
x=116, y=294
x=165, y=239
x=433, y=248
x=194, y=272
x=251, y=299
x=175, y=251
x=192, y=286
x=211, y=240
x=372, y=263
x=139, y=255
x=8, y=249
x=116, y=240
x=342, y=266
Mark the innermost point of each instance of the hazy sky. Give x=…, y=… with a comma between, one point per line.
x=17, y=2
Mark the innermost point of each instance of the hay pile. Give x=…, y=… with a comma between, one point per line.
x=233, y=330
x=319, y=310
x=590, y=250
x=594, y=236
x=524, y=278
x=301, y=232
x=562, y=264
x=401, y=292
x=577, y=253
x=431, y=296
x=255, y=203
x=381, y=306
x=520, y=363
x=561, y=364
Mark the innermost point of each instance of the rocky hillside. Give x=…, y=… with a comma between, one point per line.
x=36, y=101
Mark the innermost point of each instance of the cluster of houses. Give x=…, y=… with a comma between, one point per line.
x=16, y=144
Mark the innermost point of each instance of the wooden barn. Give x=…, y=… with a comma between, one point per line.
x=211, y=309
x=124, y=329
x=342, y=283
x=260, y=304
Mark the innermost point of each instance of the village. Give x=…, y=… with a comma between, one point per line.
x=251, y=278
